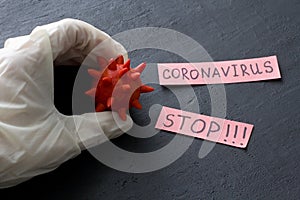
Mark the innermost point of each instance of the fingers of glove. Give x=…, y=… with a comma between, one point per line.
x=92, y=129
x=72, y=40
x=26, y=63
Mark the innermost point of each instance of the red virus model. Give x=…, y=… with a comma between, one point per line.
x=117, y=87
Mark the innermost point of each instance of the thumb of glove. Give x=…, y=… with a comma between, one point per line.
x=92, y=129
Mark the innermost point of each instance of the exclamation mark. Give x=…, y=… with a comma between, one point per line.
x=244, y=134
x=235, y=133
x=245, y=130
x=227, y=133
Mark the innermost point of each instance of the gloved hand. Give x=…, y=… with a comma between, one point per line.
x=34, y=137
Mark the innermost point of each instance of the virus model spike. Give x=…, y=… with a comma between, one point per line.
x=122, y=113
x=146, y=89
x=109, y=101
x=100, y=107
x=135, y=75
x=94, y=73
x=136, y=104
x=117, y=87
x=123, y=71
x=140, y=68
x=127, y=64
x=106, y=81
x=120, y=60
x=126, y=87
x=91, y=92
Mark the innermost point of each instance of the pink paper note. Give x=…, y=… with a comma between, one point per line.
x=205, y=127
x=232, y=71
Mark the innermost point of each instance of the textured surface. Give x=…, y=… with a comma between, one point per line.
x=268, y=169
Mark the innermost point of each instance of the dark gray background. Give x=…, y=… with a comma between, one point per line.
x=227, y=29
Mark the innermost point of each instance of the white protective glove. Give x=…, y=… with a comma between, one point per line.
x=34, y=137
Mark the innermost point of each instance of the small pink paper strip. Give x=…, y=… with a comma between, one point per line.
x=205, y=127
x=234, y=71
